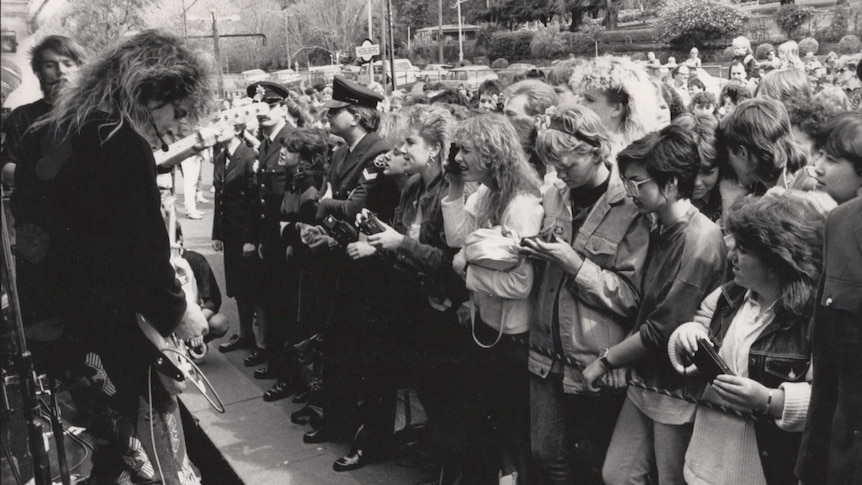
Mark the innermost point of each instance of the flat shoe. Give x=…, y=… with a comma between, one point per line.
x=257, y=357
x=265, y=373
x=351, y=461
x=278, y=391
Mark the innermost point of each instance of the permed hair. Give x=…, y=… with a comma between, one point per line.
x=702, y=128
x=150, y=66
x=393, y=129
x=60, y=44
x=786, y=233
x=784, y=85
x=809, y=116
x=841, y=137
x=434, y=124
x=668, y=155
x=494, y=139
x=762, y=126
x=540, y=95
x=574, y=129
x=312, y=145
x=624, y=82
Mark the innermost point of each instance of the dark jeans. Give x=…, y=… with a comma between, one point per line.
x=570, y=432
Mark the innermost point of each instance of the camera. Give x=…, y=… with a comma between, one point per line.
x=342, y=232
x=369, y=224
x=708, y=362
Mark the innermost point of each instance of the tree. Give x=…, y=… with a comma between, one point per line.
x=334, y=25
x=687, y=23
x=100, y=23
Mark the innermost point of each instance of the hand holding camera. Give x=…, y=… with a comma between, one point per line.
x=380, y=235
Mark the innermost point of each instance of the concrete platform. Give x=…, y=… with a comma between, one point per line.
x=257, y=439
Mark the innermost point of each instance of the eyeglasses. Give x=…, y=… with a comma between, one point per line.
x=633, y=189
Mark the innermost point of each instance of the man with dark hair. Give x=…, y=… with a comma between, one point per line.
x=271, y=178
x=54, y=61
x=702, y=103
x=524, y=101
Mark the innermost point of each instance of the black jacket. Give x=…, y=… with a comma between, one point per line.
x=831, y=451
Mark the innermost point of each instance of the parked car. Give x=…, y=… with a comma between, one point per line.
x=433, y=72
x=254, y=75
x=405, y=72
x=286, y=77
x=514, y=71
x=470, y=76
x=323, y=74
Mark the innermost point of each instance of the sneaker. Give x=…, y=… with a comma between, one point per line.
x=195, y=215
x=201, y=199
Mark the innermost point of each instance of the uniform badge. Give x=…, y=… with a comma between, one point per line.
x=259, y=93
x=255, y=166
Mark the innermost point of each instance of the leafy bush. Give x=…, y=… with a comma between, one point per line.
x=500, y=63
x=808, y=44
x=849, y=44
x=791, y=17
x=547, y=43
x=763, y=50
x=685, y=23
x=515, y=45
x=838, y=26
x=724, y=55
x=633, y=36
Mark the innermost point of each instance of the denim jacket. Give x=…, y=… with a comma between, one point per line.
x=780, y=354
x=595, y=308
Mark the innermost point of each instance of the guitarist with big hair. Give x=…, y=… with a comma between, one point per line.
x=111, y=251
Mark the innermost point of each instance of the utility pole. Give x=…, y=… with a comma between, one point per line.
x=392, y=44
x=440, y=29
x=368, y=8
x=460, y=34
x=217, y=54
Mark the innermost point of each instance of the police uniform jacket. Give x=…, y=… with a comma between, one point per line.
x=271, y=179
x=354, y=179
x=236, y=218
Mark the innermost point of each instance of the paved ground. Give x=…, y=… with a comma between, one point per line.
x=255, y=437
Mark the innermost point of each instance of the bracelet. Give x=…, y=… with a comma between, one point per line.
x=768, y=402
x=603, y=358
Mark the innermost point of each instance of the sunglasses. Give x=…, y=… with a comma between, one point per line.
x=633, y=189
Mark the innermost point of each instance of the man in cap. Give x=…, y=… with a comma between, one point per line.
x=271, y=179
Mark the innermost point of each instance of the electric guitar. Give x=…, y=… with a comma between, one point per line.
x=207, y=136
x=170, y=353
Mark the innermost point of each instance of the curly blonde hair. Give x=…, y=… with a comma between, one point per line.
x=494, y=139
x=149, y=66
x=623, y=81
x=434, y=124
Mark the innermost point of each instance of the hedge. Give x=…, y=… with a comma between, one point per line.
x=511, y=45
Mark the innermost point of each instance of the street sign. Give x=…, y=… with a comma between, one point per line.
x=366, y=51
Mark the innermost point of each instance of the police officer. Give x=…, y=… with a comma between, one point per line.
x=271, y=177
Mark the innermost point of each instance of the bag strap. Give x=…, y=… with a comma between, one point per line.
x=473, y=329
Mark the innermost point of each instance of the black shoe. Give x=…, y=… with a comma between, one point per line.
x=235, y=343
x=265, y=373
x=279, y=391
x=306, y=415
x=320, y=435
x=351, y=461
x=301, y=396
x=257, y=356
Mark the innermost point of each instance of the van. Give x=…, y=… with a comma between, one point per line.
x=470, y=76
x=405, y=72
x=254, y=75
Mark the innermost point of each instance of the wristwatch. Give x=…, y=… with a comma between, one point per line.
x=603, y=358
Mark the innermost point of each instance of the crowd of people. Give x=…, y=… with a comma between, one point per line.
x=557, y=267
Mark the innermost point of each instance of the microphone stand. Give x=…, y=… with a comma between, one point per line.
x=24, y=364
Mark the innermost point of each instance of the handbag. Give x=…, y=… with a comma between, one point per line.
x=493, y=248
